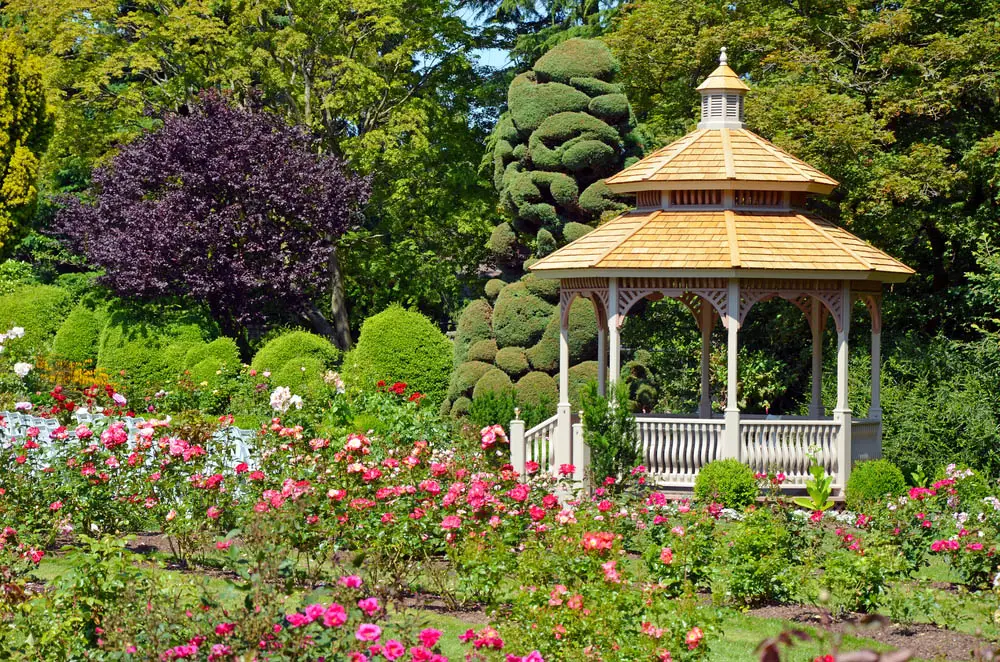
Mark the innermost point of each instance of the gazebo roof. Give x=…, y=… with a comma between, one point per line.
x=723, y=78
x=723, y=240
x=721, y=159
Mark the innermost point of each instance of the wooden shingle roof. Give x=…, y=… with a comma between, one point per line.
x=723, y=240
x=721, y=159
x=723, y=78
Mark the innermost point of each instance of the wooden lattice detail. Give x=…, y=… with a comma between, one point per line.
x=799, y=293
x=594, y=290
x=758, y=198
x=648, y=200
x=873, y=302
x=689, y=291
x=695, y=198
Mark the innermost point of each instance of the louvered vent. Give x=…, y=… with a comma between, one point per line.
x=758, y=198
x=695, y=198
x=647, y=199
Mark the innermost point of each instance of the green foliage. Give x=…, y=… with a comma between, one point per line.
x=580, y=375
x=40, y=309
x=818, y=488
x=483, y=350
x=461, y=407
x=872, y=481
x=399, y=345
x=492, y=288
x=729, y=482
x=546, y=288
x=760, y=563
x=303, y=375
x=520, y=317
x=538, y=390
x=474, y=324
x=512, y=361
x=493, y=381
x=531, y=104
x=208, y=372
x=582, y=338
x=576, y=58
x=464, y=378
x=545, y=243
x=76, y=339
x=13, y=274
x=294, y=345
x=609, y=429
x=25, y=128
x=497, y=408
x=573, y=231
x=223, y=349
x=503, y=242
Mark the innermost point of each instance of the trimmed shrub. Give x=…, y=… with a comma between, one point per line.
x=461, y=407
x=520, y=317
x=582, y=338
x=597, y=199
x=464, y=379
x=210, y=371
x=594, y=87
x=224, y=349
x=503, y=242
x=580, y=375
x=573, y=231
x=729, y=482
x=303, y=375
x=483, y=350
x=531, y=104
x=546, y=288
x=15, y=274
x=445, y=409
x=493, y=287
x=175, y=354
x=872, y=481
x=512, y=361
x=612, y=108
x=538, y=389
x=545, y=243
x=400, y=345
x=475, y=323
x=76, y=339
x=576, y=58
x=494, y=381
x=40, y=309
x=292, y=345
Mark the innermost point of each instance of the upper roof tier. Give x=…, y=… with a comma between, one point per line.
x=721, y=159
x=723, y=78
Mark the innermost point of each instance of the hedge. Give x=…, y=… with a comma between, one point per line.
x=76, y=339
x=493, y=287
x=576, y=58
x=293, y=345
x=464, y=379
x=538, y=389
x=573, y=231
x=224, y=349
x=513, y=361
x=303, y=375
x=531, y=104
x=872, y=481
x=582, y=338
x=400, y=345
x=494, y=381
x=39, y=309
x=483, y=350
x=580, y=375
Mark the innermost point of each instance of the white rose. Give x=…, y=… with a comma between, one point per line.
x=22, y=369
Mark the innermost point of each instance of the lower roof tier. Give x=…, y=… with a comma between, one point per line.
x=723, y=240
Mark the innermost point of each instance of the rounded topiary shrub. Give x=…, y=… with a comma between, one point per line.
x=503, y=242
x=493, y=287
x=175, y=354
x=224, y=349
x=573, y=231
x=475, y=323
x=538, y=389
x=520, y=317
x=39, y=309
x=461, y=407
x=464, y=379
x=512, y=361
x=580, y=375
x=494, y=381
x=729, y=482
x=303, y=375
x=483, y=350
x=400, y=345
x=546, y=288
x=76, y=339
x=292, y=345
x=582, y=338
x=871, y=481
x=209, y=372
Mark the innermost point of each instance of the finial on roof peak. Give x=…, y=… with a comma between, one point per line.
x=723, y=60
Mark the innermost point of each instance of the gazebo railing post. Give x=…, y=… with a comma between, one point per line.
x=842, y=412
x=731, y=446
x=564, y=421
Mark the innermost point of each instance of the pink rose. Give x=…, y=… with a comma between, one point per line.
x=368, y=632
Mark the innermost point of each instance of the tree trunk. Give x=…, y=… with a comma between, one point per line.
x=341, y=332
x=320, y=324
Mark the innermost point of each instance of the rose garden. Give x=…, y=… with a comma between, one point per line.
x=322, y=340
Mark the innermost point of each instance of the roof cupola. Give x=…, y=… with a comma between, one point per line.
x=722, y=98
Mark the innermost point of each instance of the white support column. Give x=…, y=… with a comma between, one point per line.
x=518, y=447
x=564, y=421
x=815, y=320
x=602, y=359
x=707, y=317
x=842, y=412
x=875, y=410
x=581, y=454
x=614, y=334
x=731, y=445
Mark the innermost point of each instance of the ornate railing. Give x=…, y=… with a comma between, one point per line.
x=540, y=443
x=784, y=446
x=866, y=439
x=674, y=449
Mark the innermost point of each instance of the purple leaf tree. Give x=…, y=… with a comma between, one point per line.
x=227, y=207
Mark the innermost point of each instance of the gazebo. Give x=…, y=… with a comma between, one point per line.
x=720, y=224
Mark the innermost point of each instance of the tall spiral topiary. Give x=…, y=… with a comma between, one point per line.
x=567, y=127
